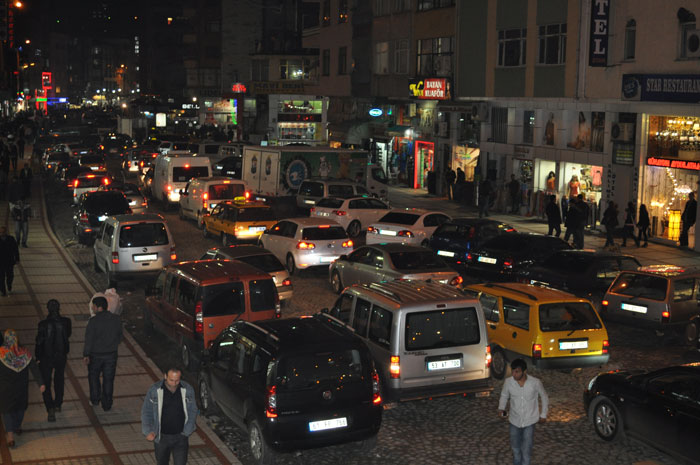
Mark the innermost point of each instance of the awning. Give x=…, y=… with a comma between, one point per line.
x=399, y=131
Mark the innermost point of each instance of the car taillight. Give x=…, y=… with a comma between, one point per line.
x=106, y=181
x=168, y=187
x=83, y=218
x=604, y=306
x=205, y=196
x=395, y=367
x=247, y=195
x=306, y=245
x=115, y=258
x=339, y=212
x=278, y=306
x=606, y=346
x=75, y=152
x=144, y=204
x=665, y=316
x=508, y=263
x=488, y=357
x=271, y=408
x=456, y=281
x=376, y=397
x=372, y=230
x=198, y=318
x=469, y=257
x=205, y=205
x=313, y=209
x=536, y=350
x=347, y=244
x=173, y=255
x=511, y=230
x=75, y=184
x=405, y=233
x=287, y=282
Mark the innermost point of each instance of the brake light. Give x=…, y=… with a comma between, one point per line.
x=75, y=152
x=141, y=164
x=198, y=318
x=187, y=166
x=604, y=306
x=456, y=281
x=606, y=346
x=205, y=196
x=324, y=226
x=508, y=263
x=405, y=233
x=90, y=176
x=511, y=230
x=469, y=257
x=106, y=181
x=376, y=397
x=306, y=246
x=287, y=282
x=83, y=218
x=247, y=195
x=115, y=257
x=339, y=212
x=144, y=204
x=312, y=210
x=395, y=367
x=347, y=244
x=173, y=255
x=271, y=408
x=205, y=205
x=372, y=230
x=488, y=357
x=665, y=316
x=169, y=187
x=536, y=350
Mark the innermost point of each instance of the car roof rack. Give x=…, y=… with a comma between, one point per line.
x=382, y=290
x=267, y=333
x=500, y=286
x=335, y=320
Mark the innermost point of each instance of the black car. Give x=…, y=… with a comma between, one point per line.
x=293, y=383
x=229, y=166
x=502, y=257
x=454, y=239
x=93, y=208
x=662, y=408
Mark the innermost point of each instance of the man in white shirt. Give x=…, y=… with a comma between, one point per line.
x=522, y=391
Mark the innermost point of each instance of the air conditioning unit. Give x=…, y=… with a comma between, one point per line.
x=481, y=111
x=622, y=132
x=692, y=43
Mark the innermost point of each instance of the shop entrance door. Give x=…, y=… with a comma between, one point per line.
x=425, y=158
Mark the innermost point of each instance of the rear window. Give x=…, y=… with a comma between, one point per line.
x=320, y=234
x=422, y=260
x=533, y=244
x=400, y=218
x=341, y=190
x=329, y=203
x=262, y=295
x=223, y=299
x=442, y=328
x=267, y=262
x=226, y=191
x=182, y=174
x=108, y=204
x=60, y=156
x=91, y=159
x=143, y=235
x=93, y=181
x=256, y=214
x=308, y=371
x=312, y=189
x=452, y=229
x=568, y=316
x=640, y=285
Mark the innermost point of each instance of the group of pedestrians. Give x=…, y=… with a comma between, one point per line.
x=575, y=220
x=610, y=221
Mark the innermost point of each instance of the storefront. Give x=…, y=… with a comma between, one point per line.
x=466, y=158
x=297, y=119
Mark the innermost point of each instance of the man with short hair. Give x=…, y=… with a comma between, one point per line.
x=522, y=391
x=102, y=337
x=9, y=257
x=169, y=417
x=515, y=196
x=51, y=352
x=688, y=218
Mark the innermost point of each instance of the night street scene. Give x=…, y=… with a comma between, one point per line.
x=365, y=232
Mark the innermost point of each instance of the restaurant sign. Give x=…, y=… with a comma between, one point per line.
x=682, y=88
x=670, y=163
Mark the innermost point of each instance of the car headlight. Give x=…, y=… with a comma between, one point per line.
x=590, y=383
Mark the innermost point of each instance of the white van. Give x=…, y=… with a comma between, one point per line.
x=173, y=172
x=217, y=151
x=201, y=195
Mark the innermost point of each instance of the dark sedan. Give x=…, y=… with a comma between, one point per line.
x=93, y=209
x=229, y=166
x=501, y=258
x=455, y=239
x=661, y=408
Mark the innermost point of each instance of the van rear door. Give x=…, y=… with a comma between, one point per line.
x=222, y=304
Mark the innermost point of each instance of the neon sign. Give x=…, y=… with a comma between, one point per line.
x=375, y=112
x=668, y=163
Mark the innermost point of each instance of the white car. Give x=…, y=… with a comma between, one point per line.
x=89, y=182
x=353, y=214
x=303, y=242
x=406, y=226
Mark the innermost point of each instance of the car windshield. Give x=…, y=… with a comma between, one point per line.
x=223, y=299
x=400, y=218
x=418, y=260
x=143, y=235
x=226, y=191
x=312, y=189
x=256, y=214
x=184, y=174
x=266, y=262
x=329, y=203
x=640, y=285
x=568, y=316
x=441, y=328
x=320, y=234
x=341, y=190
x=107, y=204
x=307, y=371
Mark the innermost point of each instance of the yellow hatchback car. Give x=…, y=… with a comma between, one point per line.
x=238, y=221
x=546, y=327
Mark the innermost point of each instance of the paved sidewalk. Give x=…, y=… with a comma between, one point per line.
x=82, y=433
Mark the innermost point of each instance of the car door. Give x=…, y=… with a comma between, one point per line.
x=491, y=307
x=222, y=352
x=239, y=374
x=168, y=310
x=99, y=247
x=684, y=302
x=514, y=331
x=212, y=222
x=186, y=198
x=688, y=416
x=354, y=267
x=360, y=317
x=268, y=239
x=342, y=309
x=287, y=240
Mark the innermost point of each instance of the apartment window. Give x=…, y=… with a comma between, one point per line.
x=401, y=49
x=630, y=39
x=424, y=5
x=295, y=69
x=528, y=126
x=511, y=47
x=343, y=60
x=213, y=26
x=402, y=5
x=260, y=70
x=326, y=62
x=434, y=56
x=552, y=44
x=499, y=125
x=382, y=7
x=381, y=58
x=342, y=11
x=326, y=19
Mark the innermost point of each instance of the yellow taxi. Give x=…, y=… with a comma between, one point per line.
x=546, y=327
x=238, y=221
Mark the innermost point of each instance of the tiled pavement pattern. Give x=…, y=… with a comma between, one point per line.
x=82, y=434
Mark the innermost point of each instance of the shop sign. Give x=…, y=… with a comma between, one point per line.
x=598, y=46
x=522, y=151
x=623, y=154
x=683, y=88
x=238, y=88
x=276, y=87
x=668, y=163
x=375, y=112
x=429, y=89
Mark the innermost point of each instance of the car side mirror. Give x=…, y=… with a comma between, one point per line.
x=325, y=311
x=342, y=257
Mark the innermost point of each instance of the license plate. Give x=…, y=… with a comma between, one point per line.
x=633, y=308
x=446, y=253
x=147, y=257
x=490, y=260
x=444, y=364
x=132, y=202
x=256, y=228
x=328, y=424
x=322, y=213
x=102, y=218
x=386, y=232
x=327, y=259
x=309, y=202
x=568, y=345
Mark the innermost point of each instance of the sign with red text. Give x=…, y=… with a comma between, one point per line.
x=429, y=89
x=670, y=163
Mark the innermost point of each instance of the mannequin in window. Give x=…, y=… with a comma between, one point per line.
x=574, y=186
x=551, y=183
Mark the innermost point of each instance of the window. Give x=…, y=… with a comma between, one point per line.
x=223, y=299
x=552, y=44
x=361, y=317
x=630, y=39
x=291, y=69
x=225, y=191
x=511, y=47
x=568, y=316
x=310, y=370
x=401, y=49
x=224, y=350
x=380, y=326
x=401, y=5
x=382, y=7
x=689, y=42
x=640, y=286
x=424, y=5
x=528, y=126
x=516, y=314
x=441, y=329
x=499, y=125
x=326, y=19
x=489, y=304
x=340, y=190
x=434, y=219
x=683, y=289
x=342, y=11
x=326, y=62
x=343, y=308
x=186, y=296
x=157, y=289
x=170, y=286
x=182, y=174
x=434, y=56
x=381, y=58
x=343, y=60
x=260, y=70
x=262, y=295
x=143, y=235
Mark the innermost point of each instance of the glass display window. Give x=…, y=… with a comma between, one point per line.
x=674, y=137
x=665, y=195
x=546, y=176
x=577, y=178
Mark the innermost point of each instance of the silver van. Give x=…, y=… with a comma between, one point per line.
x=312, y=190
x=132, y=245
x=427, y=339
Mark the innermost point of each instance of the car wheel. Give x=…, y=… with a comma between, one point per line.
x=96, y=265
x=261, y=451
x=291, y=266
x=205, y=231
x=499, y=363
x=690, y=334
x=336, y=282
x=200, y=220
x=185, y=355
x=354, y=229
x=206, y=401
x=606, y=419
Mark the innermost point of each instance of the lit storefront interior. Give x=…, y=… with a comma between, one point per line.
x=300, y=121
x=466, y=158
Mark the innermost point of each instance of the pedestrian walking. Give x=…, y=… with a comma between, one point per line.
x=524, y=394
x=628, y=227
x=21, y=212
x=571, y=219
x=114, y=301
x=14, y=384
x=52, y=346
x=20, y=144
x=514, y=193
x=610, y=222
x=581, y=221
x=15, y=191
x=25, y=177
x=688, y=218
x=12, y=149
x=485, y=191
x=450, y=177
x=460, y=184
x=102, y=337
x=643, y=225
x=9, y=257
x=553, y=216
x=169, y=417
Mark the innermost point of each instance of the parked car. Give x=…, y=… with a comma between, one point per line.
x=661, y=408
x=52, y=160
x=239, y=221
x=386, y=262
x=501, y=258
x=193, y=302
x=353, y=214
x=135, y=158
x=296, y=383
x=69, y=172
x=201, y=195
x=89, y=182
x=454, y=239
x=312, y=190
x=406, y=226
x=304, y=242
x=93, y=208
x=546, y=327
x=137, y=201
x=665, y=298
x=259, y=258
x=230, y=167
x=115, y=145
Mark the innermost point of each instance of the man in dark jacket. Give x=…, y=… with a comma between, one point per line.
x=9, y=256
x=102, y=337
x=51, y=352
x=688, y=218
x=553, y=216
x=581, y=221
